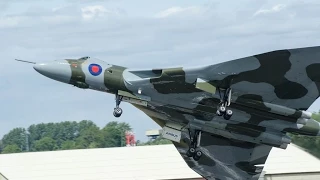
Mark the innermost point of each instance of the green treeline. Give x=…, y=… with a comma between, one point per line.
x=64, y=135
x=310, y=144
x=85, y=134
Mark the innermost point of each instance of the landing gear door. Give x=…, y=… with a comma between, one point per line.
x=204, y=85
x=134, y=98
x=172, y=132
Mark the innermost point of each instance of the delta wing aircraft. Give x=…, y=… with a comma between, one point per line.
x=224, y=118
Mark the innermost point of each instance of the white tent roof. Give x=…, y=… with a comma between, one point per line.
x=291, y=160
x=140, y=162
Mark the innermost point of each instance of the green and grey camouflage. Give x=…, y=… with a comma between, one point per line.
x=223, y=118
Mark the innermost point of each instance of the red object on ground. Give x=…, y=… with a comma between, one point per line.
x=130, y=139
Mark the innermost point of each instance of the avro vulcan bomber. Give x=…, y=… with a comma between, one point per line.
x=223, y=118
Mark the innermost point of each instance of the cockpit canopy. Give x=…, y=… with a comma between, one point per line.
x=84, y=58
x=91, y=59
x=79, y=59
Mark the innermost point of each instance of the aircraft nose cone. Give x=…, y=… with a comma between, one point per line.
x=57, y=71
x=40, y=68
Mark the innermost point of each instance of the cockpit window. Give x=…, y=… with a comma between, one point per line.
x=84, y=58
x=79, y=59
x=91, y=59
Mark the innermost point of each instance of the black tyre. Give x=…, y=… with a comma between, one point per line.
x=191, y=152
x=222, y=109
x=197, y=155
x=117, y=112
x=227, y=115
x=229, y=112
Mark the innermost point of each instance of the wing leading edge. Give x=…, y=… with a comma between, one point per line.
x=287, y=77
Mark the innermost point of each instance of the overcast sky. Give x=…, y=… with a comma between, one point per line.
x=137, y=34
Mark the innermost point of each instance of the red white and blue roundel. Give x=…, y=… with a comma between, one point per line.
x=95, y=69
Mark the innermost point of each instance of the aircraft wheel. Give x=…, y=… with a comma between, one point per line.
x=222, y=109
x=191, y=152
x=197, y=155
x=117, y=112
x=228, y=114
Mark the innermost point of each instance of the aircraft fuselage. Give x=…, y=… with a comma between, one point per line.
x=175, y=90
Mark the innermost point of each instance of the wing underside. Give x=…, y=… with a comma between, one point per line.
x=289, y=78
x=222, y=158
x=226, y=159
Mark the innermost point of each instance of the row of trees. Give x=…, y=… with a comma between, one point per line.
x=64, y=135
x=309, y=143
x=68, y=135
x=85, y=134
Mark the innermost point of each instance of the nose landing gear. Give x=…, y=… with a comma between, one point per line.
x=117, y=110
x=195, y=138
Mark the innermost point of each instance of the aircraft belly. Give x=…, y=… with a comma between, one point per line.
x=243, y=126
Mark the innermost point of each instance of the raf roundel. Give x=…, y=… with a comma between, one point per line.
x=95, y=69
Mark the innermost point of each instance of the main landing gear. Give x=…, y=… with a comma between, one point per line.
x=195, y=137
x=117, y=110
x=225, y=102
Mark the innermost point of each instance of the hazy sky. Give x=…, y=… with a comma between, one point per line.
x=137, y=34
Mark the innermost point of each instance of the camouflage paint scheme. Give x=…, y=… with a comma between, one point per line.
x=270, y=93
